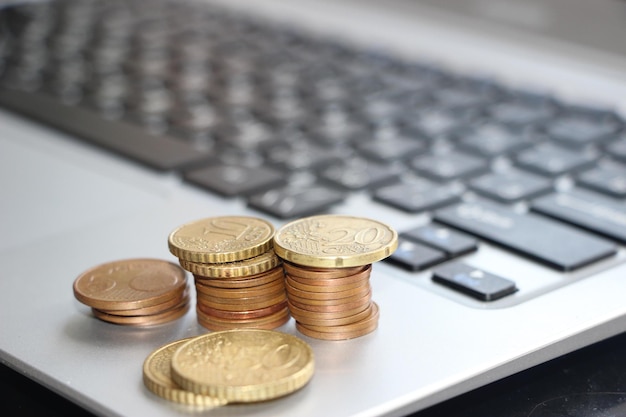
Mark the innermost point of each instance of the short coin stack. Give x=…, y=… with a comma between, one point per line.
x=239, y=280
x=241, y=365
x=138, y=292
x=327, y=262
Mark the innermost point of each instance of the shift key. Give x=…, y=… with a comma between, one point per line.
x=542, y=239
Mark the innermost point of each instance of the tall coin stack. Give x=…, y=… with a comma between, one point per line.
x=239, y=280
x=327, y=261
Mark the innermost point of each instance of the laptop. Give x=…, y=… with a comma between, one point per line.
x=489, y=134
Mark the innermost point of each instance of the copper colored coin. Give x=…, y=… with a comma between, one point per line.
x=362, y=275
x=159, y=318
x=362, y=301
x=259, y=290
x=212, y=325
x=245, y=305
x=241, y=315
x=208, y=294
x=321, y=288
x=363, y=324
x=146, y=311
x=258, y=320
x=252, y=266
x=338, y=335
x=300, y=301
x=320, y=273
x=326, y=296
x=298, y=312
x=316, y=321
x=129, y=284
x=275, y=274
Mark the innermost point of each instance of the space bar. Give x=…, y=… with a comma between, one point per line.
x=544, y=240
x=159, y=152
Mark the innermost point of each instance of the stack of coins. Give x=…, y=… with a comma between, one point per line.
x=327, y=262
x=239, y=280
x=138, y=292
x=242, y=365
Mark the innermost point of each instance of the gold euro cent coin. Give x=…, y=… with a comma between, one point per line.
x=221, y=239
x=335, y=241
x=244, y=365
x=157, y=378
x=130, y=284
x=237, y=269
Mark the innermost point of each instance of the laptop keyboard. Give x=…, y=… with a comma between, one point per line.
x=294, y=124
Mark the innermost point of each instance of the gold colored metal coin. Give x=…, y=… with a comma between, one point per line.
x=158, y=379
x=129, y=284
x=334, y=241
x=272, y=275
x=221, y=239
x=243, y=365
x=252, y=266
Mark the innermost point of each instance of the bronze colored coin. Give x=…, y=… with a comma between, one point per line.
x=208, y=293
x=243, y=365
x=363, y=324
x=242, y=292
x=146, y=311
x=316, y=321
x=362, y=301
x=240, y=315
x=335, y=241
x=326, y=296
x=320, y=273
x=252, y=266
x=275, y=274
x=331, y=301
x=159, y=318
x=360, y=276
x=299, y=313
x=321, y=288
x=254, y=324
x=157, y=378
x=270, y=318
x=221, y=239
x=129, y=284
x=336, y=336
x=259, y=302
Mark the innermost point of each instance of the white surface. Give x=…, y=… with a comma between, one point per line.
x=428, y=347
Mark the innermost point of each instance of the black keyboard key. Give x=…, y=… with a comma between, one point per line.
x=520, y=114
x=418, y=196
x=292, y=202
x=617, y=149
x=450, y=166
x=580, y=131
x=450, y=241
x=492, y=140
x=474, y=282
x=359, y=174
x=156, y=151
x=391, y=149
x=510, y=186
x=414, y=256
x=590, y=211
x=555, y=244
x=235, y=180
x=608, y=179
x=551, y=160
